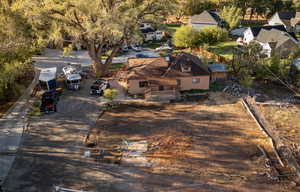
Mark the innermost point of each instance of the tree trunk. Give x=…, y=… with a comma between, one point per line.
x=101, y=68
x=251, y=14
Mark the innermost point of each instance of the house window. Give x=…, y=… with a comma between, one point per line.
x=161, y=88
x=196, y=80
x=143, y=84
x=178, y=82
x=185, y=69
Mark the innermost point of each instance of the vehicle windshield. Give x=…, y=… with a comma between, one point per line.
x=43, y=85
x=73, y=81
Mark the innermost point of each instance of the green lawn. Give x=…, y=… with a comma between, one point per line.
x=171, y=28
x=224, y=49
x=116, y=66
x=152, y=45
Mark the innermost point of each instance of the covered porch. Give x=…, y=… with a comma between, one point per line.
x=162, y=90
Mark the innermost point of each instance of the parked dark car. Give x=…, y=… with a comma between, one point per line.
x=140, y=55
x=99, y=86
x=49, y=102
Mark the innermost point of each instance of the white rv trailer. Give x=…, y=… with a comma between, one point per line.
x=47, y=78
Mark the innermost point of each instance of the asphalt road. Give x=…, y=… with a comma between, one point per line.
x=53, y=141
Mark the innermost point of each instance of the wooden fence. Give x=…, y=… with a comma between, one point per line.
x=204, y=53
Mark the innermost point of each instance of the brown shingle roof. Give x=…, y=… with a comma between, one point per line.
x=142, y=68
x=149, y=68
x=186, y=60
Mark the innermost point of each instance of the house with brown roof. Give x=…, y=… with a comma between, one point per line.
x=163, y=78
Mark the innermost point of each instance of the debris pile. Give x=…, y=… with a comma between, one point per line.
x=169, y=144
x=234, y=89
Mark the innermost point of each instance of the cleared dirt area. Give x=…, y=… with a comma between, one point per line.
x=286, y=122
x=212, y=142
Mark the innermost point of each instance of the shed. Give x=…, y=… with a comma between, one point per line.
x=218, y=71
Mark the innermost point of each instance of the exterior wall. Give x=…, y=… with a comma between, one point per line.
x=187, y=84
x=149, y=37
x=218, y=76
x=134, y=87
x=199, y=26
x=248, y=36
x=275, y=20
x=266, y=49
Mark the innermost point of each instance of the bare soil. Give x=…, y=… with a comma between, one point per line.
x=212, y=142
x=286, y=121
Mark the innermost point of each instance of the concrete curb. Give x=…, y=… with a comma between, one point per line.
x=13, y=126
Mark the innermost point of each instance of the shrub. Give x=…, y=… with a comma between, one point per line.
x=186, y=37
x=212, y=35
x=110, y=94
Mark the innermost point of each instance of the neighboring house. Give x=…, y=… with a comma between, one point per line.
x=205, y=19
x=150, y=34
x=239, y=32
x=218, y=72
x=275, y=42
x=145, y=26
x=289, y=19
x=251, y=33
x=164, y=78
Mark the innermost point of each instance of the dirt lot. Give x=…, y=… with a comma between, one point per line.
x=286, y=121
x=212, y=142
x=207, y=147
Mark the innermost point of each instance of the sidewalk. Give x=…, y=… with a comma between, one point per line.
x=11, y=130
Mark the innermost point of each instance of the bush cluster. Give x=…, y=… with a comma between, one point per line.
x=188, y=37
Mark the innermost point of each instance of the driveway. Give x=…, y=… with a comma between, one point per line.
x=54, y=58
x=53, y=142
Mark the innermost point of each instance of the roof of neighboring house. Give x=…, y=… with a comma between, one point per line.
x=239, y=32
x=183, y=60
x=289, y=18
x=286, y=15
x=206, y=17
x=217, y=67
x=274, y=35
x=148, y=30
x=257, y=29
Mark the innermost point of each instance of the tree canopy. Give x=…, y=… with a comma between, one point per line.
x=100, y=26
x=15, y=49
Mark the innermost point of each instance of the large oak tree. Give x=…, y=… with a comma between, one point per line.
x=102, y=26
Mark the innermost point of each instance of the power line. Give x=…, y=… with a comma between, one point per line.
x=285, y=84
